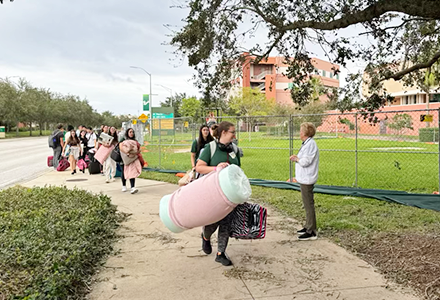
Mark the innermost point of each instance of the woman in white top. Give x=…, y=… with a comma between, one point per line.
x=306, y=174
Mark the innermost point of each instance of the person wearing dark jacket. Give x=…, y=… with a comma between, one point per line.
x=58, y=145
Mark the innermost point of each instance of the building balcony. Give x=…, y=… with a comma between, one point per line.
x=260, y=77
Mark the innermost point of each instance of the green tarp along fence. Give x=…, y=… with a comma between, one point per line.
x=426, y=201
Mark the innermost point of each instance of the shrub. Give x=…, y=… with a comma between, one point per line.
x=52, y=239
x=428, y=134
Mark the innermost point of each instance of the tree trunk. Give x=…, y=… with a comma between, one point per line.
x=427, y=107
x=30, y=128
x=17, y=132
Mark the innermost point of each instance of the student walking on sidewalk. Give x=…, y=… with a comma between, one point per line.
x=58, y=136
x=132, y=170
x=109, y=164
x=223, y=156
x=306, y=174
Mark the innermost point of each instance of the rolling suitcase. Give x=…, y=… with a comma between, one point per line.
x=50, y=161
x=94, y=167
x=63, y=165
x=248, y=221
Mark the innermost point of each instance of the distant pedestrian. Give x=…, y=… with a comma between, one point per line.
x=109, y=164
x=58, y=144
x=91, y=138
x=80, y=128
x=74, y=151
x=198, y=144
x=84, y=141
x=306, y=174
x=212, y=125
x=67, y=133
x=133, y=169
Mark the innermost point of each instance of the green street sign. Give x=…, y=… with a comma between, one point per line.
x=2, y=129
x=146, y=102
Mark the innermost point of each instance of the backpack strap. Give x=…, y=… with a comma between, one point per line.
x=213, y=147
x=235, y=148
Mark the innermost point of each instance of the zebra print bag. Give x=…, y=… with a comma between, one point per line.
x=248, y=222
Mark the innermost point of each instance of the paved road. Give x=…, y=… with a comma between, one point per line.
x=22, y=159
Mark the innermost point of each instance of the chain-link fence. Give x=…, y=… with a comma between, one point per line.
x=398, y=152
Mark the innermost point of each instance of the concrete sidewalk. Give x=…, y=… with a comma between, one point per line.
x=154, y=263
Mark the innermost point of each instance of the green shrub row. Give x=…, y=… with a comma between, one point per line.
x=428, y=134
x=52, y=239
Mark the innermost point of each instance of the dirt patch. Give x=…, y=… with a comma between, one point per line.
x=249, y=259
x=163, y=238
x=248, y=274
x=410, y=259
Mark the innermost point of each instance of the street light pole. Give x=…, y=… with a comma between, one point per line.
x=151, y=94
x=171, y=93
x=150, y=100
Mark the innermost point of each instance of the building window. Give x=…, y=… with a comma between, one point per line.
x=323, y=73
x=290, y=85
x=316, y=71
x=331, y=75
x=435, y=98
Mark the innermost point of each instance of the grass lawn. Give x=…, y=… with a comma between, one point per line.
x=13, y=134
x=396, y=165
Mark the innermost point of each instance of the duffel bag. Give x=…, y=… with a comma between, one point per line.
x=63, y=164
x=248, y=221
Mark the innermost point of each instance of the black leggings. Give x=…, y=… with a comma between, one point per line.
x=223, y=226
x=124, y=181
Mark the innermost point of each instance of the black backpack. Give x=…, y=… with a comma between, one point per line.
x=53, y=141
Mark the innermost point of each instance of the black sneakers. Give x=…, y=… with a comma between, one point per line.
x=308, y=237
x=206, y=245
x=302, y=231
x=223, y=259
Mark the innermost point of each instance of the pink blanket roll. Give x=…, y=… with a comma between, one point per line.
x=205, y=200
x=103, y=153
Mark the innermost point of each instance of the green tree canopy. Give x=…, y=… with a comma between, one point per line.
x=23, y=103
x=191, y=107
x=402, y=40
x=250, y=102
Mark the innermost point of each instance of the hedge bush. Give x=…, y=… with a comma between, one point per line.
x=52, y=239
x=428, y=134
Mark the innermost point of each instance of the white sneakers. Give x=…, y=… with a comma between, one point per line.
x=132, y=191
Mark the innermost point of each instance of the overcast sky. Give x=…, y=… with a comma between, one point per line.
x=85, y=48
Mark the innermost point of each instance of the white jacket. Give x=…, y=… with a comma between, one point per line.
x=306, y=169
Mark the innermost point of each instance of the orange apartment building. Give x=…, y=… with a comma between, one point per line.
x=268, y=76
x=407, y=100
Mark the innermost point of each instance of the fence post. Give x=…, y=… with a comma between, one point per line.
x=160, y=136
x=290, y=147
x=237, y=129
x=356, y=151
